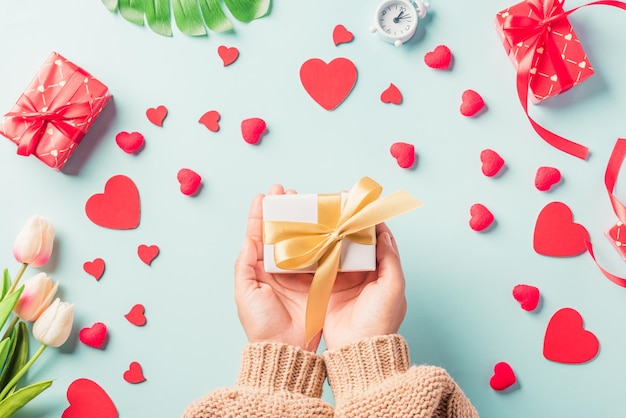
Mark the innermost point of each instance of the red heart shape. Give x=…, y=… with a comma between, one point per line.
x=527, y=296
x=129, y=142
x=439, y=58
x=147, y=253
x=88, y=399
x=391, y=95
x=480, y=217
x=136, y=315
x=328, y=84
x=252, y=129
x=134, y=374
x=492, y=162
x=341, y=35
x=93, y=336
x=556, y=234
x=94, y=268
x=228, y=55
x=210, y=119
x=546, y=177
x=566, y=341
x=404, y=154
x=189, y=181
x=503, y=377
x=472, y=103
x=118, y=207
x=157, y=115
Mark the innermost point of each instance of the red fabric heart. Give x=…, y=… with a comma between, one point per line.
x=147, y=253
x=556, y=235
x=93, y=336
x=134, y=374
x=404, y=154
x=439, y=58
x=189, y=181
x=480, y=217
x=391, y=95
x=129, y=142
x=228, y=55
x=252, y=129
x=210, y=119
x=157, y=115
x=472, y=103
x=94, y=268
x=88, y=399
x=546, y=177
x=566, y=341
x=341, y=35
x=136, y=315
x=527, y=296
x=503, y=377
x=118, y=207
x=328, y=84
x=492, y=162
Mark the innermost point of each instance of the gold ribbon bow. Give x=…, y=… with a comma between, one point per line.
x=300, y=244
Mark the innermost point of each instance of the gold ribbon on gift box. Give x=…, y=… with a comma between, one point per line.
x=298, y=245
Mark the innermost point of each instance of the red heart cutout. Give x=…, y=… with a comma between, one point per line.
x=134, y=374
x=189, y=181
x=129, y=142
x=566, y=341
x=546, y=177
x=252, y=129
x=88, y=399
x=391, y=95
x=439, y=58
x=157, y=115
x=95, y=268
x=472, y=103
x=118, y=207
x=147, y=253
x=492, y=162
x=556, y=234
x=341, y=35
x=93, y=336
x=228, y=55
x=210, y=119
x=480, y=217
x=136, y=315
x=404, y=154
x=527, y=296
x=503, y=377
x=328, y=84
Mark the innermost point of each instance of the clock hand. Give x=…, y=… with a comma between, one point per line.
x=400, y=16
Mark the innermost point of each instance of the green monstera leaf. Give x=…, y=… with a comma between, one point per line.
x=192, y=17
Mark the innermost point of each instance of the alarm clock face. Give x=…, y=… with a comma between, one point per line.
x=396, y=20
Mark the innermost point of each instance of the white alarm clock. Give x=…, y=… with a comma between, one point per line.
x=396, y=20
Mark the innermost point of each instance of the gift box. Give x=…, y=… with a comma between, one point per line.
x=559, y=61
x=55, y=111
x=617, y=236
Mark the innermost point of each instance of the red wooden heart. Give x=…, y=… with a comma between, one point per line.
x=341, y=35
x=157, y=115
x=118, y=207
x=328, y=84
x=134, y=374
x=503, y=377
x=136, y=315
x=566, y=341
x=404, y=153
x=93, y=336
x=147, y=253
x=556, y=234
x=391, y=95
x=88, y=399
x=95, y=268
x=210, y=119
x=129, y=142
x=527, y=296
x=228, y=54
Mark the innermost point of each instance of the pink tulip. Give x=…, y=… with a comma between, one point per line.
x=33, y=244
x=54, y=325
x=36, y=297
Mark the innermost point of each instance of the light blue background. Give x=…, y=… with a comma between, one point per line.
x=461, y=313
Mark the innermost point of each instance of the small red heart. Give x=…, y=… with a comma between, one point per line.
x=93, y=336
x=480, y=217
x=546, y=177
x=118, y=207
x=556, y=234
x=492, y=162
x=136, y=315
x=94, y=268
x=503, y=377
x=88, y=399
x=134, y=374
x=228, y=54
x=439, y=58
x=341, y=35
x=129, y=142
x=189, y=181
x=147, y=253
x=404, y=154
x=328, y=84
x=210, y=119
x=157, y=115
x=252, y=129
x=472, y=103
x=391, y=95
x=527, y=296
x=566, y=341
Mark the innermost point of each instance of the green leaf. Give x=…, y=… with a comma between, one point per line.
x=188, y=18
x=5, y=345
x=248, y=10
x=7, y=305
x=158, y=16
x=18, y=399
x=214, y=16
x=111, y=5
x=18, y=354
x=6, y=283
x=132, y=10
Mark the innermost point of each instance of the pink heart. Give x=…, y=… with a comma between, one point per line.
x=88, y=399
x=93, y=336
x=129, y=142
x=252, y=129
x=472, y=103
x=391, y=95
x=439, y=58
x=147, y=253
x=136, y=315
x=157, y=115
x=480, y=217
x=546, y=177
x=328, y=84
x=492, y=162
x=134, y=374
x=189, y=181
x=503, y=377
x=94, y=268
x=210, y=119
x=228, y=54
x=404, y=153
x=341, y=35
x=527, y=296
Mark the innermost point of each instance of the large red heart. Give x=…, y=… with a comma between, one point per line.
x=88, y=399
x=566, y=341
x=118, y=207
x=328, y=84
x=556, y=234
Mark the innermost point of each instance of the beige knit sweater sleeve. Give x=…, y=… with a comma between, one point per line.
x=275, y=380
x=372, y=378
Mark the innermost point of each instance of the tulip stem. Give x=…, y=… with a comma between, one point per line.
x=10, y=327
x=22, y=371
x=17, y=278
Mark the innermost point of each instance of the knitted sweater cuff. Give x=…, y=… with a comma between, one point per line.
x=355, y=367
x=281, y=367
